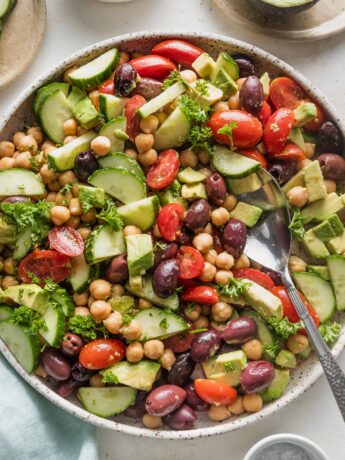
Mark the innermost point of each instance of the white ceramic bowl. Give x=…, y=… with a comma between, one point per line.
x=20, y=114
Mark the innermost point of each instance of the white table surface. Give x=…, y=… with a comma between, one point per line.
x=74, y=24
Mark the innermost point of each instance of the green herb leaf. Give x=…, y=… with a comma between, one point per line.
x=174, y=77
x=164, y=324
x=28, y=318
x=234, y=288
x=229, y=367
x=199, y=138
x=296, y=226
x=159, y=246
x=34, y=278
x=126, y=319
x=284, y=327
x=175, y=188
x=197, y=331
x=202, y=87
x=271, y=350
x=109, y=377
x=66, y=189
x=111, y=215
x=227, y=130
x=193, y=111
x=86, y=327
x=330, y=331
x=50, y=285
x=34, y=163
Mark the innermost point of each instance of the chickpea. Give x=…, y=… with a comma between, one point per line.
x=234, y=101
x=253, y=349
x=236, y=407
x=100, y=289
x=132, y=153
x=152, y=422
x=131, y=230
x=47, y=145
x=8, y=281
x=296, y=264
x=47, y=175
x=223, y=276
x=67, y=177
x=230, y=202
x=240, y=82
x=211, y=256
x=40, y=372
x=7, y=149
x=192, y=312
x=297, y=343
x=23, y=160
x=9, y=266
x=134, y=352
x=90, y=301
x=154, y=349
x=309, y=150
x=70, y=127
x=206, y=172
x=96, y=381
x=218, y=326
x=75, y=190
x=149, y=124
x=17, y=137
x=242, y=262
x=189, y=76
x=221, y=311
x=81, y=299
x=252, y=402
x=144, y=142
x=131, y=331
x=218, y=413
x=204, y=158
x=100, y=310
x=143, y=304
x=221, y=105
x=27, y=143
x=69, y=139
x=124, y=57
x=225, y=261
x=168, y=359
x=156, y=232
x=51, y=197
x=330, y=185
x=67, y=72
x=82, y=130
x=203, y=242
x=113, y=323
x=148, y=158
x=36, y=133
x=89, y=217
x=162, y=116
x=75, y=207
x=59, y=215
x=82, y=311
x=220, y=216
x=7, y=163
x=298, y=196
x=201, y=322
x=84, y=232
x=188, y=158
x=208, y=273
x=207, y=229
x=93, y=96
x=63, y=199
x=101, y=145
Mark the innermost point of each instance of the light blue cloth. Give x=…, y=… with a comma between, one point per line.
x=32, y=428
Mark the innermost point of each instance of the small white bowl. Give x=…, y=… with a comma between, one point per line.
x=310, y=448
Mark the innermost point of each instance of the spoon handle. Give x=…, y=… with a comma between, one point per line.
x=333, y=372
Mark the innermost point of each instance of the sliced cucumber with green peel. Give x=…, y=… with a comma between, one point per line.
x=54, y=319
x=146, y=292
x=110, y=106
x=156, y=323
x=336, y=267
x=318, y=292
x=168, y=96
x=5, y=312
x=63, y=298
x=119, y=183
x=24, y=345
x=75, y=95
x=173, y=132
x=226, y=62
x=121, y=160
x=104, y=243
x=53, y=112
x=95, y=72
x=115, y=131
x=106, y=402
x=23, y=244
x=63, y=158
x=232, y=164
x=45, y=91
x=17, y=181
x=136, y=375
x=81, y=274
x=141, y=213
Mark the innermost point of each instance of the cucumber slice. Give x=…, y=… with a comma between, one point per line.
x=5, y=312
x=318, y=292
x=265, y=335
x=18, y=181
x=54, y=318
x=115, y=131
x=226, y=62
x=106, y=402
x=145, y=290
x=232, y=164
x=62, y=297
x=103, y=243
x=121, y=160
x=5, y=7
x=336, y=266
x=168, y=96
x=63, y=158
x=24, y=346
x=110, y=106
x=42, y=93
x=75, y=96
x=81, y=274
x=136, y=375
x=119, y=183
x=95, y=72
x=23, y=244
x=141, y=213
x=159, y=324
x=53, y=112
x=173, y=132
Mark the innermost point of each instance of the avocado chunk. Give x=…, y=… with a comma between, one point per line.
x=123, y=304
x=263, y=301
x=247, y=184
x=322, y=209
x=324, y=231
x=91, y=197
x=265, y=335
x=278, y=386
x=139, y=254
x=286, y=358
x=173, y=132
x=313, y=246
x=7, y=232
x=265, y=81
x=204, y=65
x=226, y=368
x=321, y=270
x=75, y=95
x=204, y=93
x=145, y=290
x=246, y=213
x=30, y=295
x=193, y=191
x=167, y=196
x=305, y=113
x=86, y=114
x=296, y=181
x=136, y=375
x=296, y=137
x=224, y=82
x=228, y=64
x=140, y=213
x=336, y=224
x=337, y=244
x=314, y=182
x=190, y=176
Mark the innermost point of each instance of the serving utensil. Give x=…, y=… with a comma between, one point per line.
x=268, y=244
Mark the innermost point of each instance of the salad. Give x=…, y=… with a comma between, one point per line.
x=124, y=277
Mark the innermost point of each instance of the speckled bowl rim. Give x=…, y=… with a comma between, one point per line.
x=232, y=424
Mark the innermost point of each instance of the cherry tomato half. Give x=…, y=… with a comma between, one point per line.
x=107, y=87
x=132, y=118
x=191, y=262
x=215, y=393
x=314, y=125
x=254, y=154
x=169, y=221
x=200, y=294
x=153, y=66
x=285, y=92
x=44, y=264
x=179, y=343
x=254, y=275
x=66, y=241
x=164, y=171
x=291, y=152
x=102, y=353
x=277, y=130
x=246, y=131
x=179, y=51
x=265, y=113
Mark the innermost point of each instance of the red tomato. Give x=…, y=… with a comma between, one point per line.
x=265, y=113
x=107, y=87
x=132, y=118
x=153, y=66
x=291, y=152
x=178, y=51
x=44, y=264
x=247, y=130
x=102, y=353
x=201, y=294
x=277, y=130
x=191, y=262
x=164, y=171
x=188, y=283
x=215, y=393
x=66, y=241
x=254, y=275
x=179, y=343
x=254, y=154
x=169, y=221
x=285, y=92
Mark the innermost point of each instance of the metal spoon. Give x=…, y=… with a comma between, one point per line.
x=268, y=244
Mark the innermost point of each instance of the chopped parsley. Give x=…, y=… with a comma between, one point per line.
x=201, y=87
x=284, y=327
x=193, y=111
x=164, y=324
x=175, y=189
x=227, y=130
x=179, y=289
x=271, y=350
x=159, y=246
x=229, y=367
x=199, y=138
x=34, y=164
x=126, y=319
x=67, y=188
x=330, y=331
x=86, y=327
x=234, y=288
x=174, y=77
x=296, y=226
x=111, y=215
x=34, y=278
x=109, y=377
x=50, y=285
x=28, y=318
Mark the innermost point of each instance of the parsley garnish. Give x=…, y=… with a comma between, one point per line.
x=86, y=327
x=199, y=138
x=51, y=163
x=202, y=87
x=284, y=327
x=30, y=319
x=109, y=377
x=66, y=189
x=330, y=331
x=50, y=285
x=175, y=189
x=126, y=319
x=179, y=289
x=164, y=324
x=34, y=164
x=227, y=130
x=34, y=278
x=193, y=111
x=174, y=77
x=159, y=246
x=229, y=367
x=296, y=225
x=234, y=288
x=111, y=215
x=271, y=350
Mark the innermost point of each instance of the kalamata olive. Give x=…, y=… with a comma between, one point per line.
x=182, y=419
x=148, y=88
x=138, y=408
x=216, y=189
x=226, y=348
x=80, y=373
x=164, y=400
x=125, y=79
x=245, y=65
x=169, y=251
x=185, y=237
x=329, y=139
x=71, y=344
x=198, y=372
x=234, y=237
x=217, y=239
x=205, y=344
x=198, y=215
x=257, y=376
x=55, y=364
x=239, y=330
x=85, y=164
x=332, y=166
x=65, y=389
x=16, y=199
x=193, y=400
x=181, y=370
x=252, y=95
x=165, y=277
x=117, y=271
x=282, y=171
x=179, y=343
